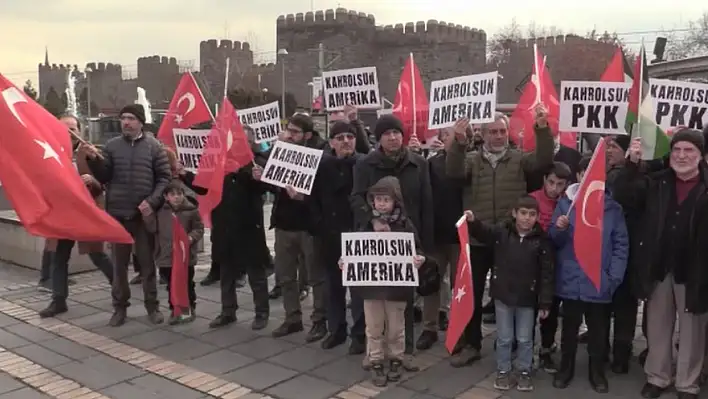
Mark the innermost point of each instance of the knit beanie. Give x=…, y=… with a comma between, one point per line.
x=622, y=141
x=339, y=127
x=691, y=136
x=386, y=123
x=136, y=110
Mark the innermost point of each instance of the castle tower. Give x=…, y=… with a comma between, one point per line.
x=212, y=65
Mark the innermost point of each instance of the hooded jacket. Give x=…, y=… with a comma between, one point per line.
x=571, y=280
x=160, y=223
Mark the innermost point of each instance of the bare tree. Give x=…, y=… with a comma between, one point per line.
x=614, y=39
x=692, y=43
x=498, y=45
x=535, y=31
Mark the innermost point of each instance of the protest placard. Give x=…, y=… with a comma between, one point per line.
x=358, y=87
x=593, y=107
x=292, y=165
x=190, y=145
x=473, y=97
x=264, y=120
x=379, y=259
x=679, y=103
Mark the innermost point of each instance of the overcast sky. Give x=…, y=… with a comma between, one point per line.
x=80, y=31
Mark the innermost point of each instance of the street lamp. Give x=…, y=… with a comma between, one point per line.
x=312, y=95
x=283, y=52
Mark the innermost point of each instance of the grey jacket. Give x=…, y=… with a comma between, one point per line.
x=132, y=171
x=160, y=224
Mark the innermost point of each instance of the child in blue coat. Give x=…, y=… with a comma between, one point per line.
x=579, y=295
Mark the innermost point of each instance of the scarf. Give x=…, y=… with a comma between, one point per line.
x=493, y=157
x=388, y=218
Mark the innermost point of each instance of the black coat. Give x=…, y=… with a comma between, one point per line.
x=524, y=269
x=648, y=196
x=238, y=233
x=414, y=177
x=330, y=209
x=447, y=200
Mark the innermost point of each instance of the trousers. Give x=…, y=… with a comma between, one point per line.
x=385, y=330
x=144, y=250
x=60, y=268
x=446, y=255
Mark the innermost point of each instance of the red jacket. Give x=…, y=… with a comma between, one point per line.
x=546, y=206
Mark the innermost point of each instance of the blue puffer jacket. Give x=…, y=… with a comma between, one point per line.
x=571, y=280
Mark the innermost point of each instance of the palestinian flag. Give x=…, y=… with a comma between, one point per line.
x=618, y=70
x=640, y=120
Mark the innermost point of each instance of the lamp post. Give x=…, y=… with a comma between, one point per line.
x=283, y=52
x=312, y=96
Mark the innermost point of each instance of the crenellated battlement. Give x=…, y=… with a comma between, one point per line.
x=326, y=17
x=223, y=45
x=157, y=60
x=61, y=68
x=261, y=69
x=431, y=31
x=549, y=41
x=108, y=68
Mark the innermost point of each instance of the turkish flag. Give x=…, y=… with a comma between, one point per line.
x=618, y=70
x=39, y=177
x=539, y=89
x=589, y=205
x=187, y=109
x=227, y=150
x=462, y=302
x=179, y=295
x=411, y=103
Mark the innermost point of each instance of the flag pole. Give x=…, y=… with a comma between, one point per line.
x=226, y=77
x=580, y=184
x=642, y=57
x=413, y=94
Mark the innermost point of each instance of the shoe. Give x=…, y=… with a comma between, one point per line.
x=332, y=340
x=45, y=286
x=465, y=357
x=222, y=320
x=546, y=362
x=366, y=364
x=378, y=375
x=137, y=280
x=490, y=319
x=317, y=332
x=304, y=293
x=409, y=364
x=417, y=315
x=70, y=282
x=241, y=282
x=621, y=353
x=596, y=376
x=118, y=318
x=394, y=371
x=443, y=321
x=275, y=293
x=288, y=328
x=357, y=346
x=565, y=374
x=503, y=381
x=686, y=395
x=651, y=391
x=524, y=383
x=184, y=318
x=426, y=340
x=209, y=280
x=55, y=308
x=620, y=366
x=156, y=317
x=259, y=322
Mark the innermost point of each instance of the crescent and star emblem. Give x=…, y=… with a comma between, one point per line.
x=184, y=252
x=595, y=185
x=192, y=103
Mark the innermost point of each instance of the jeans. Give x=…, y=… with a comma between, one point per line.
x=514, y=322
x=60, y=268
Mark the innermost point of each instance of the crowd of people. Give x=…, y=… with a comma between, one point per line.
x=519, y=207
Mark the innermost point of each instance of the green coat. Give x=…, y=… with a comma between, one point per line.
x=491, y=193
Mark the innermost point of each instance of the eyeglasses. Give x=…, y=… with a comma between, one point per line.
x=293, y=130
x=344, y=136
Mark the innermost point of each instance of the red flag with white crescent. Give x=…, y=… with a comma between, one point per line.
x=179, y=294
x=462, y=302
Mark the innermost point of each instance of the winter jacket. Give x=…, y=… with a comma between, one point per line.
x=330, y=209
x=523, y=274
x=648, y=195
x=133, y=171
x=413, y=175
x=160, y=223
x=447, y=200
x=493, y=192
x=571, y=280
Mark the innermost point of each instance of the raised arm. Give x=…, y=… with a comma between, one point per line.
x=457, y=160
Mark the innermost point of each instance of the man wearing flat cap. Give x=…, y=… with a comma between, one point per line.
x=669, y=256
x=135, y=171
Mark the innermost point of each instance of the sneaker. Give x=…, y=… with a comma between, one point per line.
x=546, y=363
x=378, y=375
x=259, y=322
x=503, y=381
x=184, y=318
x=223, y=320
x=156, y=317
x=394, y=372
x=524, y=382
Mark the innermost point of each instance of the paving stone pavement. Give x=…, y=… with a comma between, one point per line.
x=78, y=356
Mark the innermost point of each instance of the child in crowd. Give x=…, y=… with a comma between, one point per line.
x=160, y=222
x=555, y=181
x=384, y=307
x=522, y=282
x=579, y=295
